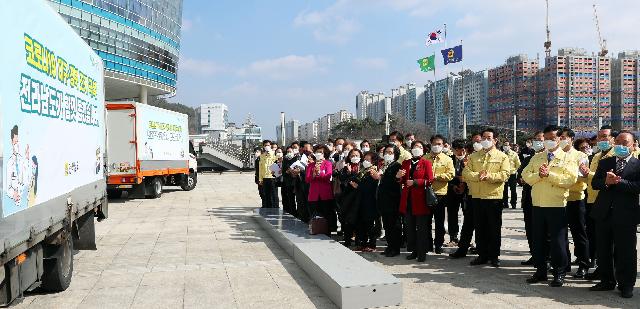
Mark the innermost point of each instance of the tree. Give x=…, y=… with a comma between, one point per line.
x=400, y=124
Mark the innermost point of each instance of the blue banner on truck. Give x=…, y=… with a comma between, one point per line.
x=51, y=106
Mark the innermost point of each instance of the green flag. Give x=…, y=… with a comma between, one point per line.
x=427, y=64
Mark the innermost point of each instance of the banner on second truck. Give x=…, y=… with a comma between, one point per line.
x=162, y=134
x=51, y=105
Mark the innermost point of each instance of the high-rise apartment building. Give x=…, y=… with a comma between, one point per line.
x=291, y=131
x=625, y=70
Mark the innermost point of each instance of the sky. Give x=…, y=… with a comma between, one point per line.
x=309, y=58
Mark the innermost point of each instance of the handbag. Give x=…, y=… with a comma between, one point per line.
x=430, y=196
x=318, y=225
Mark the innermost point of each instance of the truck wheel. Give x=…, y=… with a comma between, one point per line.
x=190, y=183
x=155, y=187
x=58, y=270
x=114, y=194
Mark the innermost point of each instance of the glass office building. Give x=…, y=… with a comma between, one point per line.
x=138, y=40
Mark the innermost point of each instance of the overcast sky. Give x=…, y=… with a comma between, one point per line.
x=309, y=58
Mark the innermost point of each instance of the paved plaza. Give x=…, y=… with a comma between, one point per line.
x=203, y=249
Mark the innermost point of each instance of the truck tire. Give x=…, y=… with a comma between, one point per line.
x=155, y=187
x=114, y=194
x=58, y=270
x=190, y=182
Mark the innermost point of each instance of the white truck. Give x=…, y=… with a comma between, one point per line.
x=52, y=144
x=147, y=148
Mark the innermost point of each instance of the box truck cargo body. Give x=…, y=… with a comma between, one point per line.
x=52, y=146
x=147, y=147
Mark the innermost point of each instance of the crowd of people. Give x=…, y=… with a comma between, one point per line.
x=406, y=187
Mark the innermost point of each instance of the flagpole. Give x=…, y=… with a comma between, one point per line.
x=464, y=111
x=435, y=79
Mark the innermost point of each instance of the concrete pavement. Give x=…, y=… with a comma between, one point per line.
x=202, y=249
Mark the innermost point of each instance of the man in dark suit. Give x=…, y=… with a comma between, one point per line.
x=617, y=213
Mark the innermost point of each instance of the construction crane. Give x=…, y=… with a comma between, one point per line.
x=547, y=44
x=601, y=41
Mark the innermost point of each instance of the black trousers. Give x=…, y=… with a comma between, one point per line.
x=302, y=206
x=510, y=185
x=392, y=230
x=418, y=232
x=550, y=235
x=488, y=225
x=438, y=217
x=288, y=199
x=327, y=210
x=527, y=206
x=269, y=193
x=466, y=233
x=576, y=217
x=367, y=233
x=453, y=207
x=591, y=232
x=617, y=254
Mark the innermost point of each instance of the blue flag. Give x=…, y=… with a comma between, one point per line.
x=452, y=55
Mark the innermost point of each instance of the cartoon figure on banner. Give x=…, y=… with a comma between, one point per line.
x=148, y=150
x=19, y=173
x=98, y=161
x=33, y=189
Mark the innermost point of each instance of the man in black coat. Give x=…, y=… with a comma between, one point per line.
x=388, y=201
x=455, y=191
x=617, y=213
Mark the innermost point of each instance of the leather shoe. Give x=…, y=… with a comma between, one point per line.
x=421, y=258
x=595, y=275
x=412, y=256
x=392, y=253
x=478, y=261
x=626, y=292
x=528, y=262
x=438, y=250
x=458, y=254
x=537, y=277
x=557, y=281
x=580, y=273
x=603, y=286
x=495, y=263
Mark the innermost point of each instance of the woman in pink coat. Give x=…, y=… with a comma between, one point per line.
x=320, y=198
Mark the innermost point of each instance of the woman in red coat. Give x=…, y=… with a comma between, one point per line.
x=415, y=176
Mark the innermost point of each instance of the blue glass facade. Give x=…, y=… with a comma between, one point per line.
x=137, y=38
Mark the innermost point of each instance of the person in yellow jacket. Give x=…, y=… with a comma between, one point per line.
x=550, y=173
x=605, y=141
x=487, y=170
x=265, y=178
x=511, y=182
x=576, y=204
x=443, y=172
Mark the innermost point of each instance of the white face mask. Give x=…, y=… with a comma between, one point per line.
x=446, y=151
x=319, y=156
x=550, y=144
x=417, y=152
x=477, y=146
x=338, y=147
x=267, y=149
x=436, y=149
x=589, y=151
x=278, y=155
x=564, y=143
x=506, y=148
x=537, y=145
x=257, y=154
x=295, y=151
x=355, y=160
x=366, y=164
x=486, y=144
x=388, y=158
x=365, y=149
x=460, y=157
x=289, y=155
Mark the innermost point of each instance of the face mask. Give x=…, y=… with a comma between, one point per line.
x=257, y=154
x=365, y=149
x=289, y=155
x=436, y=149
x=529, y=145
x=477, y=146
x=550, y=144
x=319, y=156
x=278, y=155
x=417, y=152
x=506, y=148
x=366, y=164
x=537, y=145
x=460, y=157
x=486, y=144
x=446, y=151
x=564, y=143
x=621, y=151
x=267, y=148
x=295, y=151
x=338, y=147
x=355, y=160
x=604, y=145
x=388, y=158
x=408, y=143
x=588, y=151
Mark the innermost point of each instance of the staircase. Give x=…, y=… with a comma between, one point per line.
x=214, y=159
